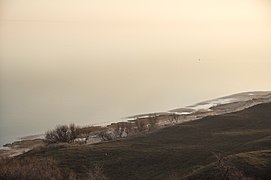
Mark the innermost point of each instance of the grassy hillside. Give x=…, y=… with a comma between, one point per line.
x=185, y=149
x=247, y=165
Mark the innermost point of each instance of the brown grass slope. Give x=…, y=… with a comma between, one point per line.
x=184, y=149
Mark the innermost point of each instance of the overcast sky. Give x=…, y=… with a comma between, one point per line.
x=92, y=61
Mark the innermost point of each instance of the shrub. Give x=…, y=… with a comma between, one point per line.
x=62, y=133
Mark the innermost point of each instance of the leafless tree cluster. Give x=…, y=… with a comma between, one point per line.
x=106, y=136
x=120, y=129
x=146, y=124
x=88, y=130
x=153, y=118
x=140, y=125
x=173, y=117
x=62, y=133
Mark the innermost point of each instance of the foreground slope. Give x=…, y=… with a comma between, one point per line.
x=247, y=165
x=183, y=150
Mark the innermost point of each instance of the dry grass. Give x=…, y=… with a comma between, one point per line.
x=42, y=169
x=28, y=169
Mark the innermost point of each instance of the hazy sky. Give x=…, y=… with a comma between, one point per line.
x=92, y=61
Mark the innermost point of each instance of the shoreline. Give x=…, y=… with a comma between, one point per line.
x=213, y=107
x=20, y=147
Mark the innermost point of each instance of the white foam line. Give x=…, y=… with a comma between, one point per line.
x=181, y=113
x=212, y=103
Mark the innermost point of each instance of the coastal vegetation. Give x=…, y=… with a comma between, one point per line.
x=238, y=144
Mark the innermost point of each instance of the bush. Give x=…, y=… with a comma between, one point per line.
x=62, y=133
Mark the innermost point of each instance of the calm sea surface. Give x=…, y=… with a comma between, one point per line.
x=89, y=73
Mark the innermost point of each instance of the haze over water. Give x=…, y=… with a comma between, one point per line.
x=91, y=62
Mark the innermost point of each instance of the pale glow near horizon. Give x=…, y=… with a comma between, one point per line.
x=91, y=61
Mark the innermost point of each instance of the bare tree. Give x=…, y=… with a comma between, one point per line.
x=74, y=132
x=173, y=117
x=153, y=118
x=140, y=124
x=62, y=133
x=105, y=136
x=120, y=128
